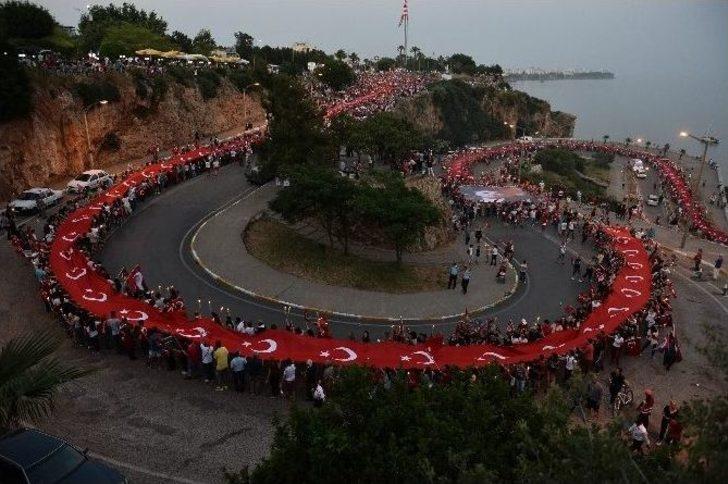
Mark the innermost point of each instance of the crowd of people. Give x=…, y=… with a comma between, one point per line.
x=372, y=92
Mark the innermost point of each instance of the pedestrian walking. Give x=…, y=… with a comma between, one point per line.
x=562, y=254
x=494, y=255
x=522, y=271
x=576, y=268
x=477, y=254
x=716, y=267
x=452, y=280
x=465, y=280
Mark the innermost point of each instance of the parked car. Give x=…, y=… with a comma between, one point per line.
x=29, y=456
x=653, y=200
x=27, y=202
x=90, y=179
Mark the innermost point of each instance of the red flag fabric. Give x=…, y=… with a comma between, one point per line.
x=91, y=291
x=404, y=17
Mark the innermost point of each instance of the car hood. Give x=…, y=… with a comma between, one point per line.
x=93, y=472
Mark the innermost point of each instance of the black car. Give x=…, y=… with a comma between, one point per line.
x=32, y=457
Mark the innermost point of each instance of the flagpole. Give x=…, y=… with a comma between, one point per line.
x=406, y=23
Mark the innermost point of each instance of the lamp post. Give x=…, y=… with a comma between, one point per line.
x=706, y=142
x=85, y=123
x=245, y=99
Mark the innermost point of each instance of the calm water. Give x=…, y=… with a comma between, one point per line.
x=652, y=109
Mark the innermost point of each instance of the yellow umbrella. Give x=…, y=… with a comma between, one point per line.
x=149, y=52
x=171, y=54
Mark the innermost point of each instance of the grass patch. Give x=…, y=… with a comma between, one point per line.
x=597, y=171
x=284, y=249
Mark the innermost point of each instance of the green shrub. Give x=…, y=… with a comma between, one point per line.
x=16, y=91
x=181, y=75
x=95, y=91
x=208, y=81
x=240, y=78
x=24, y=20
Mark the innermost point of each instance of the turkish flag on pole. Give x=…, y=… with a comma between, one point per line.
x=405, y=14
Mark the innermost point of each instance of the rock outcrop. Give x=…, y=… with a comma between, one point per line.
x=52, y=143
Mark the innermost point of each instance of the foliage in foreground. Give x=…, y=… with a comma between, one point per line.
x=466, y=431
x=30, y=377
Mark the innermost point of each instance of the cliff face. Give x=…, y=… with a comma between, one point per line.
x=461, y=114
x=51, y=143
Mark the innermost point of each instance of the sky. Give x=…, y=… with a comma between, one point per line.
x=623, y=35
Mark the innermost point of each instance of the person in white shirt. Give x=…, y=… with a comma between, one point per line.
x=639, y=435
x=319, y=397
x=289, y=380
x=208, y=364
x=617, y=348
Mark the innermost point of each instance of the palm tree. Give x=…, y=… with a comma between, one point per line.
x=354, y=58
x=665, y=149
x=648, y=144
x=682, y=153
x=340, y=54
x=627, y=141
x=605, y=138
x=30, y=377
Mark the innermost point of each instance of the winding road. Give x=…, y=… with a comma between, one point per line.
x=157, y=237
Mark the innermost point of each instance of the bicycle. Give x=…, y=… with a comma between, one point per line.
x=623, y=398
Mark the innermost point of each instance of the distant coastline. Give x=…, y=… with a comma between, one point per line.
x=532, y=75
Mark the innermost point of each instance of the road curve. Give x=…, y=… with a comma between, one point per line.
x=157, y=237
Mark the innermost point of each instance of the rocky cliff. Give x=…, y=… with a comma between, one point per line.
x=462, y=113
x=52, y=142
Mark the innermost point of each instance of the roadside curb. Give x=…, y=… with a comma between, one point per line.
x=362, y=317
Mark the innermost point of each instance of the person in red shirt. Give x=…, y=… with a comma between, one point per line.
x=194, y=357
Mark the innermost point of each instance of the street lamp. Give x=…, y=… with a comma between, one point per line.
x=245, y=99
x=85, y=123
x=706, y=141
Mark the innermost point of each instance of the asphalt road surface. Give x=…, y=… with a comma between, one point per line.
x=157, y=237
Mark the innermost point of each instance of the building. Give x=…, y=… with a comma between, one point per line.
x=302, y=47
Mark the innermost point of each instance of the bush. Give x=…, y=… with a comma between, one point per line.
x=111, y=142
x=24, y=20
x=126, y=39
x=563, y=162
x=16, y=92
x=181, y=75
x=93, y=92
x=208, y=82
x=240, y=78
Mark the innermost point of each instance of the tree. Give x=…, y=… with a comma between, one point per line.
x=627, y=141
x=93, y=24
x=125, y=39
x=30, y=377
x=385, y=64
x=605, y=138
x=682, y=153
x=388, y=136
x=648, y=144
x=297, y=134
x=354, y=58
x=401, y=213
x=665, y=149
x=340, y=55
x=16, y=91
x=24, y=20
x=336, y=74
x=203, y=42
x=244, y=45
x=183, y=42
x=461, y=64
x=322, y=194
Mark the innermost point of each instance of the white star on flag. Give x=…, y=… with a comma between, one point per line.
x=324, y=354
x=405, y=358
